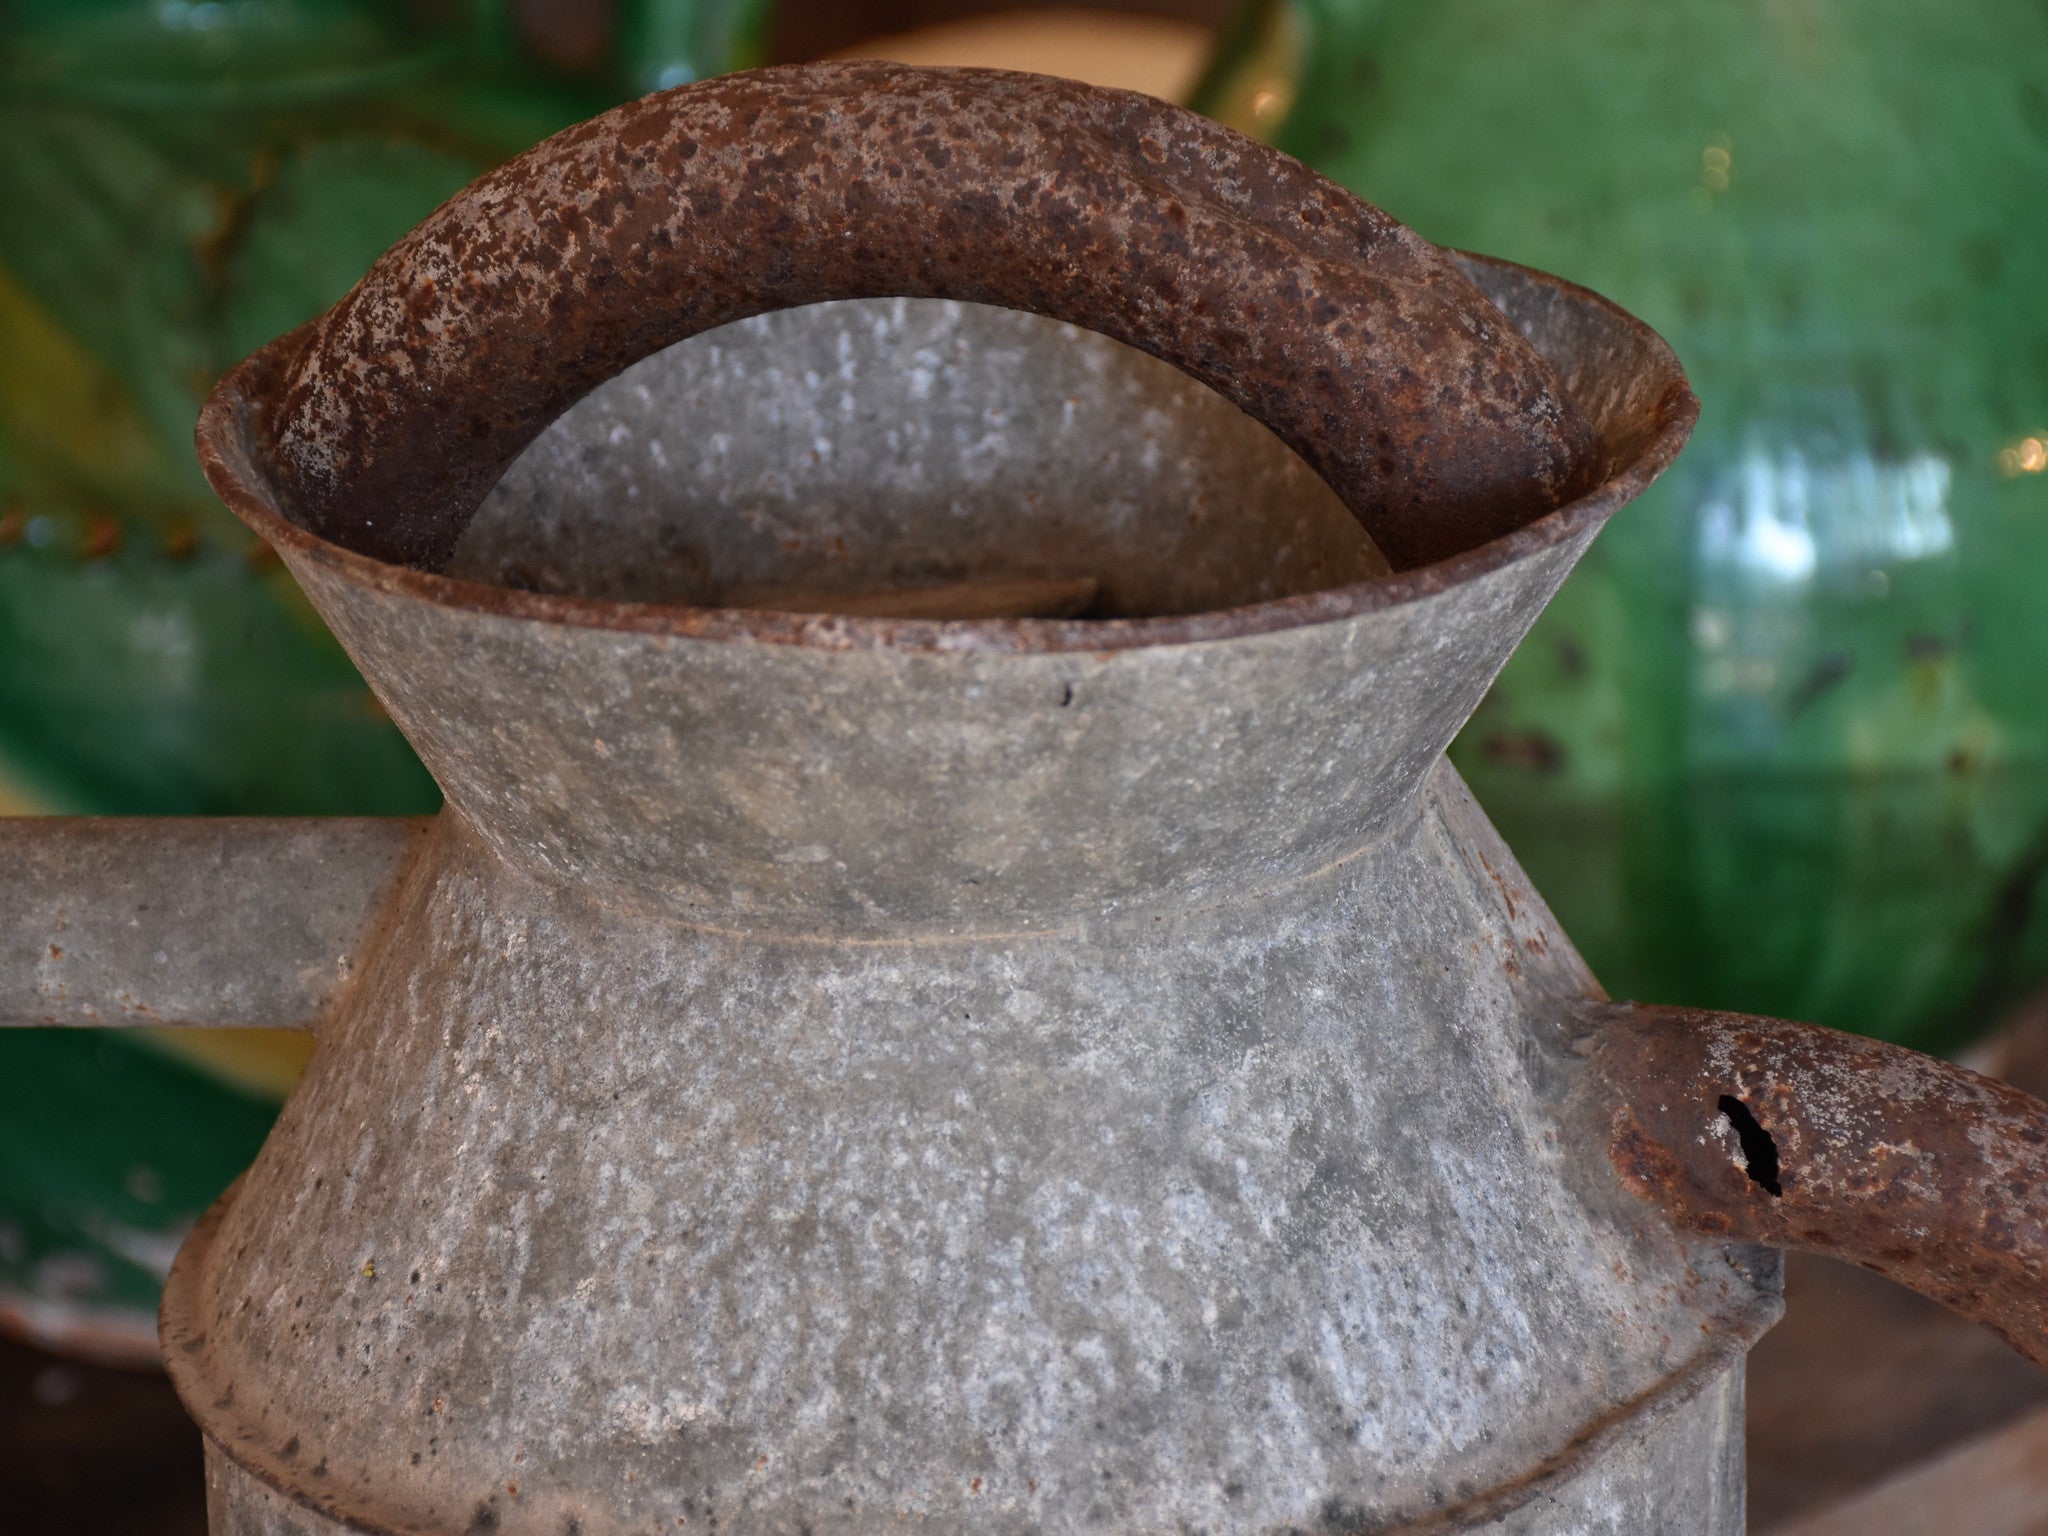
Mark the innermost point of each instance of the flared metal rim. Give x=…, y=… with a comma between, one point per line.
x=228, y=416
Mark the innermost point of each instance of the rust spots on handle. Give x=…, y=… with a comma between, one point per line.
x=1362, y=346
x=1757, y=1130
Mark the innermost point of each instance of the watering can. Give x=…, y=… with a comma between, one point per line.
x=955, y=988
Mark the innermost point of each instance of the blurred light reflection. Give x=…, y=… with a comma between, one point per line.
x=2028, y=456
x=1782, y=517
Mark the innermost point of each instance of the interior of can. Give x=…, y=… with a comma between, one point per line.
x=913, y=458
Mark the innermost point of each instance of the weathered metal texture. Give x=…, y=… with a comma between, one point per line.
x=882, y=742
x=1019, y=1076
x=825, y=1073
x=213, y=921
x=1360, y=344
x=1618, y=373
x=1756, y=1130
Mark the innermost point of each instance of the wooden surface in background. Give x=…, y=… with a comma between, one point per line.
x=1993, y=1486
x=811, y=29
x=92, y=1451
x=1865, y=1380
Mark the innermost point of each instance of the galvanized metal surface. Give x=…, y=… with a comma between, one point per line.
x=1243, y=1216
x=1675, y=1473
x=212, y=920
x=1356, y=341
x=911, y=448
x=783, y=753
x=1620, y=375
x=1763, y=1131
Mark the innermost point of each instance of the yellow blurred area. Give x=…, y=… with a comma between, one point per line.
x=266, y=1062
x=1159, y=55
x=82, y=422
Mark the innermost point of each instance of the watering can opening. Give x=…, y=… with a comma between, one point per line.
x=915, y=458
x=901, y=463
x=524, y=579
x=933, y=459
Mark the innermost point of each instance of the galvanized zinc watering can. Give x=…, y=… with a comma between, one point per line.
x=954, y=988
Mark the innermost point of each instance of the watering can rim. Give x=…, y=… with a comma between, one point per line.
x=230, y=418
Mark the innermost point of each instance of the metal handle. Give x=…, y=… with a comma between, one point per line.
x=1361, y=345
x=220, y=921
x=1801, y=1137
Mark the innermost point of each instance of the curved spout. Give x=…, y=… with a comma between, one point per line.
x=1756, y=1130
x=219, y=921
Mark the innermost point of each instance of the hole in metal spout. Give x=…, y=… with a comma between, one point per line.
x=1759, y=1151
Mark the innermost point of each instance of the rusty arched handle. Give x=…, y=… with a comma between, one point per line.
x=1357, y=342
x=1762, y=1131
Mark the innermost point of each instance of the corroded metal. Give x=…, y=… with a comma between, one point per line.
x=1642, y=410
x=1760, y=1131
x=1360, y=344
x=217, y=921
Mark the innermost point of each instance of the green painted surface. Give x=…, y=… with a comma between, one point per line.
x=1782, y=744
